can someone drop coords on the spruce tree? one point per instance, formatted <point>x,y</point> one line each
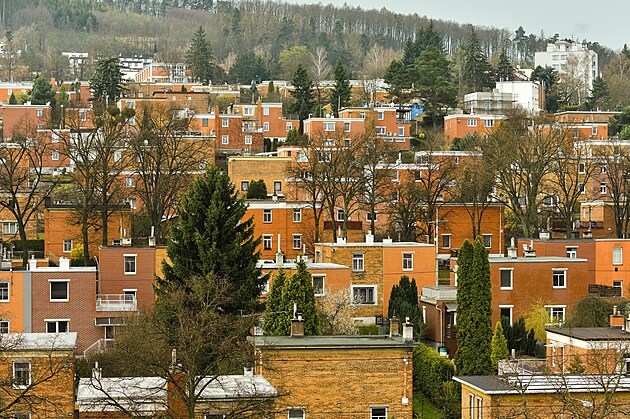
<point>107,81</point>
<point>474,311</point>
<point>340,96</point>
<point>42,92</point>
<point>403,303</point>
<point>499,346</point>
<point>212,237</point>
<point>505,71</point>
<point>303,95</point>
<point>274,306</point>
<point>600,95</point>
<point>476,70</point>
<point>433,83</point>
<point>199,57</point>
<point>12,99</point>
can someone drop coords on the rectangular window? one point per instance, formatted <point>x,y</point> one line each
<point>594,131</point>
<point>4,326</point>
<point>471,405</point>
<point>347,142</point>
<point>619,285</point>
<point>364,295</point>
<point>21,374</point>
<point>54,155</point>
<point>357,262</point>
<point>131,202</point>
<point>289,126</point>
<point>602,168</point>
<point>225,122</point>
<point>265,126</point>
<point>296,413</point>
<point>267,241</point>
<point>506,311</point>
<point>401,131</point>
<point>82,115</point>
<point>446,241</point>
<point>204,122</point>
<point>381,130</point>
<point>479,408</point>
<point>572,252</point>
<point>581,168</point>
<point>340,214</point>
<point>9,228</point>
<point>488,123</point>
<point>559,278</point>
<point>407,261</point>
<point>56,326</point>
<point>582,187</point>
<point>277,186</point>
<point>329,126</point>
<point>487,240</point>
<point>617,256</point>
<point>248,140</point>
<point>4,291</point>
<point>225,139</point>
<point>130,182</point>
<point>67,246</point>
<point>266,110</point>
<point>248,111</point>
<point>130,264</point>
<point>394,175</point>
<point>507,279</point>
<point>297,215</point>
<point>371,216</point>
<point>318,284</point>
<point>267,216</point>
<point>58,290</point>
<point>346,126</point>
<point>380,115</point>
<point>39,113</point>
<point>378,413</point>
<point>603,188</point>
<point>472,122</point>
<point>297,241</point>
<point>555,315</point>
<point>117,156</point>
<point>244,185</point>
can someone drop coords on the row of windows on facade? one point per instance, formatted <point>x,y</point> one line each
<point>559,279</point>
<point>277,186</point>
<point>446,240</point>
<point>378,412</point>
<point>487,123</point>
<point>555,314</point>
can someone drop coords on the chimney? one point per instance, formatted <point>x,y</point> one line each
<point>248,371</point>
<point>341,240</point>
<point>617,320</point>
<point>297,323</point>
<point>407,331</point>
<point>174,398</point>
<point>64,263</point>
<point>369,237</point>
<point>152,240</point>
<point>279,254</point>
<point>394,327</point>
<point>512,250</point>
<point>97,373</point>
<point>32,263</point>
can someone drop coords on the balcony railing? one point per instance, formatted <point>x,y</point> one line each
<point>116,302</point>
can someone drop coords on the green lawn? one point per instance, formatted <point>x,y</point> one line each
<point>423,408</point>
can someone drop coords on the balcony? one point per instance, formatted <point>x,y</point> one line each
<point>116,302</point>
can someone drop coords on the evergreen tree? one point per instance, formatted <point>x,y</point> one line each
<point>340,95</point>
<point>403,303</point>
<point>433,83</point>
<point>42,92</point>
<point>248,67</point>
<point>499,346</point>
<point>477,70</point>
<point>294,290</point>
<point>505,71</point>
<point>274,308</point>
<point>474,311</point>
<point>397,80</point>
<point>107,81</point>
<point>13,100</point>
<point>199,57</point>
<point>600,95</point>
<point>303,95</point>
<point>212,237</point>
<point>257,189</point>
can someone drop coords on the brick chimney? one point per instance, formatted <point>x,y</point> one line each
<point>394,327</point>
<point>297,323</point>
<point>174,388</point>
<point>407,331</point>
<point>617,320</point>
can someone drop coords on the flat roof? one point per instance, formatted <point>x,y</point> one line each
<point>377,244</point>
<point>310,342</point>
<point>536,384</point>
<point>534,259</point>
<point>592,333</point>
<point>293,265</point>
<point>39,341</point>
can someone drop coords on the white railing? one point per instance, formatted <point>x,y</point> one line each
<point>116,302</point>
<point>95,348</point>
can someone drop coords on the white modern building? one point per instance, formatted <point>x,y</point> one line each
<point>567,57</point>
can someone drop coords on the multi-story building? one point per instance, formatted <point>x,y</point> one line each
<point>566,57</point>
<point>461,125</point>
<point>24,119</point>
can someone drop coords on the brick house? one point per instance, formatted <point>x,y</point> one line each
<point>337,376</point>
<point>40,371</point>
<point>376,268</point>
<point>24,118</point>
<point>461,125</point>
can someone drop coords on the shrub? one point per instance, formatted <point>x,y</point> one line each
<point>257,189</point>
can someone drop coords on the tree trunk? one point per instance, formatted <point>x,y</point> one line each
<point>23,241</point>
<point>104,222</point>
<point>86,239</point>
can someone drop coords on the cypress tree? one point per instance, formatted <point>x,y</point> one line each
<point>274,305</point>
<point>13,100</point>
<point>499,346</point>
<point>340,96</point>
<point>403,303</point>
<point>212,237</point>
<point>474,311</point>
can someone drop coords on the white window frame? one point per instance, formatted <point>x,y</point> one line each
<point>39,113</point>
<point>117,156</point>
<point>130,182</point>
<point>340,213</point>
<point>297,241</point>
<point>8,289</point>
<point>267,216</point>
<point>225,139</point>
<point>511,270</point>
<point>471,122</point>
<point>617,256</point>
<point>267,238</point>
<point>561,273</point>
<point>296,409</point>
<point>277,185</point>
<point>511,307</point>
<point>67,245</point>
<point>395,175</point>
<point>618,284</point>
<point>450,237</point>
<point>297,215</point>
<point>289,126</point>
<point>244,185</point>
<point>225,122</point>
<point>54,155</point>
<point>346,127</point>
<point>407,261</point>
<point>581,168</point>
<point>248,140</point>
<point>29,379</point>
<point>603,188</point>
<point>10,227</point>
<point>374,294</point>
<point>381,130</point>
<point>401,131</point>
<point>373,416</point>
<point>488,123</point>
<point>380,115</point>
<point>329,126</point>
<point>358,262</point>
<point>266,126</point>
<point>265,110</point>
<point>135,264</point>
<point>551,308</point>
<point>484,240</point>
<point>56,323</point>
<point>572,252</point>
<point>369,215</point>
<point>62,281</point>
<point>323,288</point>
<point>5,326</point>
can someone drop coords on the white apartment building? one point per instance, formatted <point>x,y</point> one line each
<point>566,57</point>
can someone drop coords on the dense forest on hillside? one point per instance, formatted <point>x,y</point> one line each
<point>40,29</point>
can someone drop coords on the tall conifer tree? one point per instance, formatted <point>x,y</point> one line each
<point>340,96</point>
